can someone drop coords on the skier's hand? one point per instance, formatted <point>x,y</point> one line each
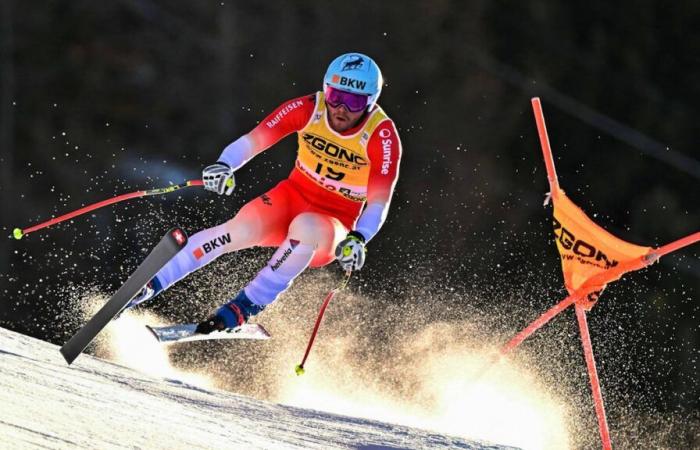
<point>350,253</point>
<point>219,178</point>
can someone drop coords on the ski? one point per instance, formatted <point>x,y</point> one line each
<point>169,246</point>
<point>186,333</point>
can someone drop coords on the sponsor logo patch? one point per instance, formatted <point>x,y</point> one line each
<point>333,150</point>
<point>279,262</point>
<point>293,244</point>
<point>179,237</point>
<point>582,251</point>
<point>283,112</point>
<point>217,242</point>
<point>349,82</point>
<point>364,138</point>
<point>385,134</point>
<point>352,62</point>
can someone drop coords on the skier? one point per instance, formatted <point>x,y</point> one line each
<point>334,201</point>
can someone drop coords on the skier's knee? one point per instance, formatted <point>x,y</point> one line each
<point>310,228</point>
<point>243,232</point>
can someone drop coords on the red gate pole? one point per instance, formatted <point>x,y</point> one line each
<point>546,148</point>
<point>593,375</point>
<point>539,323</point>
<point>676,245</point>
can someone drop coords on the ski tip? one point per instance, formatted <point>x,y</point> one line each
<point>17,233</point>
<point>153,332</point>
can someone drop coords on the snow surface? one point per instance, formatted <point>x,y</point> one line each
<point>98,404</point>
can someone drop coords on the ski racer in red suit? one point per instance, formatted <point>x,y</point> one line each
<point>334,201</point>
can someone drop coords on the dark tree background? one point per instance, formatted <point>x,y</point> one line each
<point>101,98</point>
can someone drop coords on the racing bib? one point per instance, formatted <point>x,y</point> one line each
<point>337,163</point>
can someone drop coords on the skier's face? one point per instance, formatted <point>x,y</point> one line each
<point>341,119</point>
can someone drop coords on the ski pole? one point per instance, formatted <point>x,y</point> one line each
<point>18,233</point>
<point>300,368</point>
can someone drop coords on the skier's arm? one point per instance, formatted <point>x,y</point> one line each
<point>289,117</point>
<point>384,151</point>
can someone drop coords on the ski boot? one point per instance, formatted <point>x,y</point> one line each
<point>230,315</point>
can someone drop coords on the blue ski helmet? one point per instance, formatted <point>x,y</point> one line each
<point>356,73</point>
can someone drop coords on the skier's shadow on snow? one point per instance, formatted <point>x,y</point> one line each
<point>379,447</point>
<point>6,353</point>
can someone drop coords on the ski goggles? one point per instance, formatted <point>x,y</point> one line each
<point>353,102</point>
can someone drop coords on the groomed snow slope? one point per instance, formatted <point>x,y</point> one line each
<point>96,404</point>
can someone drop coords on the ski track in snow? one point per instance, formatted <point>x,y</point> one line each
<point>44,403</point>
